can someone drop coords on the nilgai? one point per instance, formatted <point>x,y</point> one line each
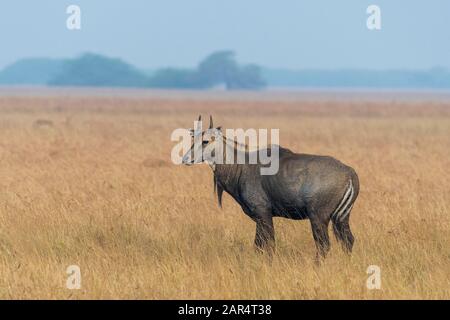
<point>318,188</point>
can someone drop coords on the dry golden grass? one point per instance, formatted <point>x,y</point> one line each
<point>94,186</point>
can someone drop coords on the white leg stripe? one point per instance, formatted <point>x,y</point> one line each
<point>341,218</point>
<point>345,201</point>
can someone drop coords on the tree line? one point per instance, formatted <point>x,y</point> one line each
<point>219,69</point>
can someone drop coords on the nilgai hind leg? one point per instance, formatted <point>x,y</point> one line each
<point>343,233</point>
<point>321,238</point>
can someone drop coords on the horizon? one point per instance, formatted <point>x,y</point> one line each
<point>117,72</point>
<point>337,69</point>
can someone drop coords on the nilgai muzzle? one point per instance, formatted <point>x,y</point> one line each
<point>318,188</point>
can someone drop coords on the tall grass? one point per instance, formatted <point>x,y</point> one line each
<point>94,187</point>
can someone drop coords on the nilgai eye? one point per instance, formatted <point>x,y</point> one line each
<point>205,141</point>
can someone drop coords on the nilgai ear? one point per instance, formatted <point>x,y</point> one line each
<point>210,122</point>
<point>199,118</point>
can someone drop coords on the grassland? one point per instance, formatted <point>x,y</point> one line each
<point>88,181</point>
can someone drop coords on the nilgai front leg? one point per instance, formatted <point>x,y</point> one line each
<point>265,233</point>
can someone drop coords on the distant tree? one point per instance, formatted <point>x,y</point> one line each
<point>221,68</point>
<point>218,68</point>
<point>96,70</point>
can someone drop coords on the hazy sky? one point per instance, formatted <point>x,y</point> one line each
<point>295,34</point>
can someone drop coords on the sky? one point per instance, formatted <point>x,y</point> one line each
<point>291,34</point>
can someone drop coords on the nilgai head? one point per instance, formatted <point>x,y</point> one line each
<point>204,143</point>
